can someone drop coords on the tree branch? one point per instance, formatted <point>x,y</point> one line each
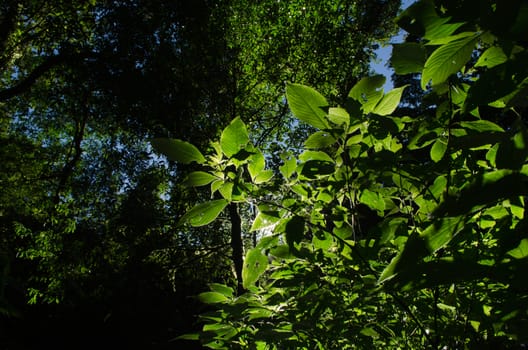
<point>49,63</point>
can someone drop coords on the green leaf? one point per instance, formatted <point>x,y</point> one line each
<point>438,150</point>
<point>178,150</point>
<point>481,125</point>
<point>492,57</point>
<point>338,116</point>
<point>447,60</point>
<point>521,251</point>
<point>440,232</point>
<point>408,58</point>
<point>222,289</point>
<point>205,213</point>
<point>226,190</point>
<point>254,265</point>
<point>368,91</point>
<point>256,164</point>
<point>373,200</point>
<point>263,177</point>
<point>315,155</point>
<point>190,336</point>
<point>370,332</point>
<point>307,105</point>
<point>212,297</point>
<point>234,137</point>
<point>289,166</point>
<point>484,189</point>
<point>389,102</point>
<point>319,139</point>
<point>199,178</point>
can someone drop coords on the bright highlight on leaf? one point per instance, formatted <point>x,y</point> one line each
<point>447,60</point>
<point>307,105</point>
<point>178,150</point>
<point>234,137</point>
<point>254,265</point>
<point>205,213</point>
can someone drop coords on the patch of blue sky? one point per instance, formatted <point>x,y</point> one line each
<point>381,64</point>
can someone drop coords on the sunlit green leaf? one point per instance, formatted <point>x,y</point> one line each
<point>389,102</point>
<point>492,57</point>
<point>521,251</point>
<point>234,137</point>
<point>438,150</point>
<point>200,178</point>
<point>178,150</point>
<point>368,91</point>
<point>372,199</point>
<point>447,60</point>
<point>222,289</point>
<point>319,139</point>
<point>212,297</point>
<point>307,105</point>
<point>263,177</point>
<point>256,164</point>
<point>205,213</point>
<point>255,264</point>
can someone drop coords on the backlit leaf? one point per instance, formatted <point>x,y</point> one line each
<point>389,102</point>
<point>255,264</point>
<point>319,139</point>
<point>307,105</point>
<point>205,213</point>
<point>200,178</point>
<point>368,91</point>
<point>234,137</point>
<point>212,297</point>
<point>492,57</point>
<point>438,150</point>
<point>447,60</point>
<point>178,150</point>
<point>372,199</point>
<point>521,251</point>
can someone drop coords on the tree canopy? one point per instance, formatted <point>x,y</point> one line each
<point>89,212</point>
<point>386,230</point>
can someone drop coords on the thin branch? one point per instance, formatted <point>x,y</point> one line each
<point>49,63</point>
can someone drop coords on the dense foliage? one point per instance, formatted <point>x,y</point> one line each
<point>89,241</point>
<point>385,230</point>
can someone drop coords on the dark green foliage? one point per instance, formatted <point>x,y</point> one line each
<point>388,231</point>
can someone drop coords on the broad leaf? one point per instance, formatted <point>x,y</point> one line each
<point>373,200</point>
<point>481,126</point>
<point>389,102</point>
<point>438,150</point>
<point>319,139</point>
<point>234,137</point>
<point>212,297</point>
<point>338,116</point>
<point>257,162</point>
<point>492,57</point>
<point>521,251</point>
<point>368,91</point>
<point>205,213</point>
<point>263,177</point>
<point>254,265</point>
<point>199,178</point>
<point>447,60</point>
<point>222,289</point>
<point>440,232</point>
<point>178,150</point>
<point>307,105</point>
